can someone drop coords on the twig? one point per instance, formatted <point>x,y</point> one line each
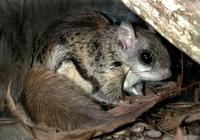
<point>182,70</point>
<point>6,121</point>
<point>190,85</point>
<point>180,78</point>
<point>164,131</point>
<point>13,109</point>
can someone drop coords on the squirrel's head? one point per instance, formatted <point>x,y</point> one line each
<point>144,53</point>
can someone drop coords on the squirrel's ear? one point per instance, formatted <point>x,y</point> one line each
<point>126,35</point>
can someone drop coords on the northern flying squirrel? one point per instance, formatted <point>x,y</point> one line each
<point>102,54</point>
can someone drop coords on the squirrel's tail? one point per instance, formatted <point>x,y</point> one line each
<point>54,100</point>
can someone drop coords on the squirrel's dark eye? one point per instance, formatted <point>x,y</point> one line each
<point>146,57</point>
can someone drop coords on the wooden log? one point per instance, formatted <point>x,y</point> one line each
<point>176,20</point>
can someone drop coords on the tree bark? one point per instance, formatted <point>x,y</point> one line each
<point>176,20</point>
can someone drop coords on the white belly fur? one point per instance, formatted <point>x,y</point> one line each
<point>68,69</point>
